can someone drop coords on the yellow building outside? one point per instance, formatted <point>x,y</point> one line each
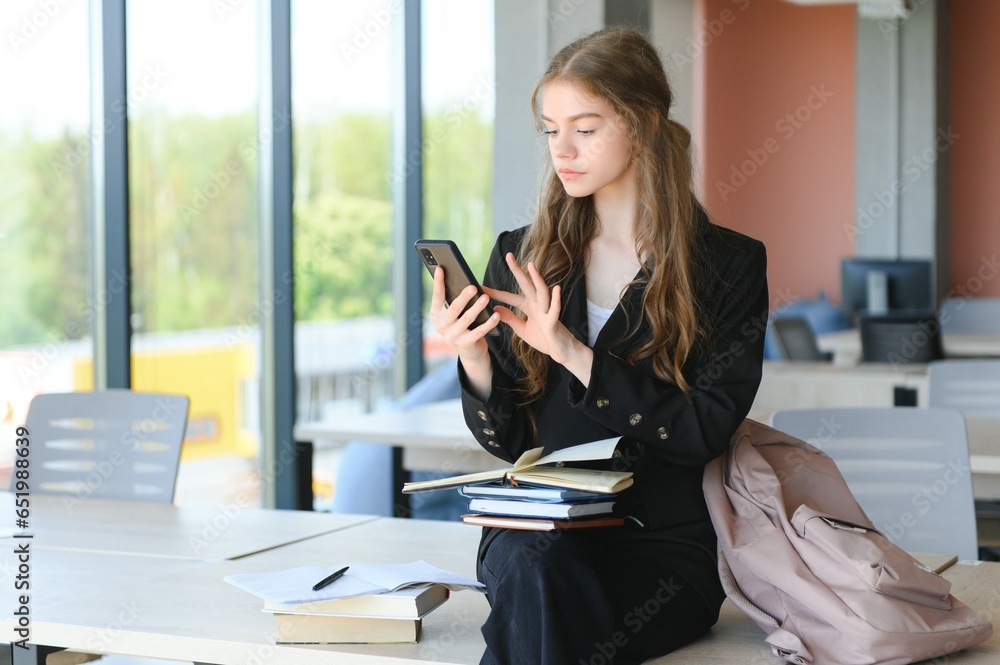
<point>220,381</point>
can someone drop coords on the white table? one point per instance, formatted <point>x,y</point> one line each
<point>846,345</point>
<point>802,385</point>
<point>184,611</point>
<point>191,614</point>
<point>196,533</point>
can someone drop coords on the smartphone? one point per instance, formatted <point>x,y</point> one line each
<point>457,274</point>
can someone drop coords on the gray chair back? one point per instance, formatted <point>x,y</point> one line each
<point>111,444</point>
<point>970,315</point>
<point>907,467</point>
<point>973,387</point>
<point>796,339</point>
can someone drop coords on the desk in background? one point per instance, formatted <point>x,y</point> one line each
<point>806,385</point>
<point>434,437</point>
<point>846,345</point>
<point>431,437</point>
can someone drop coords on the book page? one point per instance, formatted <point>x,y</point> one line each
<point>397,576</point>
<point>453,481</point>
<point>294,586</point>
<point>584,479</point>
<point>595,450</point>
<point>527,459</point>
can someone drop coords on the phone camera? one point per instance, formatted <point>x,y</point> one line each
<point>429,257</point>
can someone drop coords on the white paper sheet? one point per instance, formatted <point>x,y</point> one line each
<point>294,585</point>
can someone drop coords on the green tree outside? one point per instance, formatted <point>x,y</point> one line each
<point>194,219</point>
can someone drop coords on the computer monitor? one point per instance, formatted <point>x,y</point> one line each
<point>882,286</point>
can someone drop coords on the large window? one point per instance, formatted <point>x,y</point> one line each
<point>459,94</point>
<point>45,147</point>
<point>343,209</point>
<point>193,197</point>
<point>194,140</point>
<point>343,212</point>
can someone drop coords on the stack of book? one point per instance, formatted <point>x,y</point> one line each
<point>392,616</point>
<point>368,604</point>
<point>537,508</point>
<point>541,493</point>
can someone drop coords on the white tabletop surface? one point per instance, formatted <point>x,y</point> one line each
<point>56,577</point>
<point>191,614</point>
<point>195,533</point>
<point>150,607</point>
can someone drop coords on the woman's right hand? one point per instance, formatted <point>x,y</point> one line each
<point>454,326</point>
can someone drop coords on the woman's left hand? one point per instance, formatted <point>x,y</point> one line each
<point>542,328</point>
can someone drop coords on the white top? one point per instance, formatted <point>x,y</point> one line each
<point>596,318</point>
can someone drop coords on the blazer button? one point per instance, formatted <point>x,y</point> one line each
<point>481,414</point>
<point>493,444</point>
<point>603,402</point>
<point>663,433</point>
<point>635,419</point>
<point>488,432</point>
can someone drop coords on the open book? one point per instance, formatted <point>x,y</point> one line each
<point>294,585</point>
<point>534,469</point>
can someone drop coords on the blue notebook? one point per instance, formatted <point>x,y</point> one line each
<point>531,493</point>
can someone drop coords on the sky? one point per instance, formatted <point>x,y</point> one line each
<point>201,56</point>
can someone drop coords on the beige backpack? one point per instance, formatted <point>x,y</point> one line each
<point>799,556</point>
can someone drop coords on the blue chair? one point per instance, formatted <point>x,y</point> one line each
<point>821,316</point>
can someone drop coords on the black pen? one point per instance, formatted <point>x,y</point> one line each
<point>327,581</point>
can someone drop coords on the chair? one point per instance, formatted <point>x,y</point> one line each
<point>110,444</point>
<point>796,340</point>
<point>908,468</point>
<point>901,339</point>
<point>970,315</point>
<point>973,387</point>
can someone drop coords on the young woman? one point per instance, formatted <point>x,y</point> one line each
<point>625,312</point>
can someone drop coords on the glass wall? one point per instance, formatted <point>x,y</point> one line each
<point>194,142</point>
<point>341,94</point>
<point>193,196</point>
<point>343,212</point>
<point>459,94</point>
<point>45,147</point>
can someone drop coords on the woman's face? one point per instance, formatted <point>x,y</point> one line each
<point>589,151</point>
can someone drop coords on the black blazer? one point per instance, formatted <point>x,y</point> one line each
<point>670,435</point>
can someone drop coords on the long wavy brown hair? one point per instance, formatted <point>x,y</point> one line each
<point>621,67</point>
